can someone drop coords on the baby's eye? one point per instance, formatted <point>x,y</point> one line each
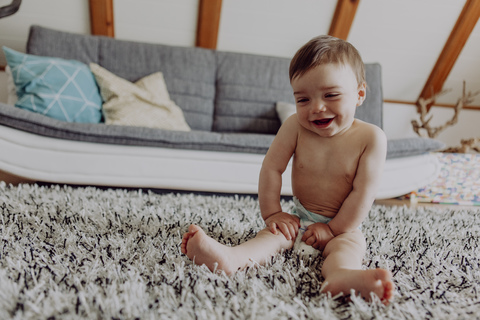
<point>302,100</point>
<point>332,95</point>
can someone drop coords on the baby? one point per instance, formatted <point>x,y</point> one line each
<point>337,165</point>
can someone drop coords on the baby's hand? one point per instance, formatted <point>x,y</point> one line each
<point>287,224</point>
<point>318,235</point>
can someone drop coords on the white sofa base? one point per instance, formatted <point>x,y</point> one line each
<point>41,158</point>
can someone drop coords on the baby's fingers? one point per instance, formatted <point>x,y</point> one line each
<point>296,226</point>
<point>310,241</point>
<point>273,228</point>
<point>317,244</point>
<point>292,228</point>
<point>297,221</point>
<point>307,235</point>
<point>284,228</point>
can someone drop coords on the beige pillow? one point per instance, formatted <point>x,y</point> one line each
<point>145,103</point>
<point>285,110</point>
<point>12,91</point>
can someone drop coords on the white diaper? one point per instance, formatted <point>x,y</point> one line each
<point>306,218</point>
<point>300,246</point>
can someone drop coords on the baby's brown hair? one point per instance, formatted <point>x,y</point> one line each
<point>327,49</point>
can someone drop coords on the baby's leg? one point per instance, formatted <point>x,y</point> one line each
<point>342,269</point>
<point>202,249</point>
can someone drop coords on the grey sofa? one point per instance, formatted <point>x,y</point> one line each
<point>228,100</point>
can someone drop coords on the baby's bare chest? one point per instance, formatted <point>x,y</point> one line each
<point>326,161</point>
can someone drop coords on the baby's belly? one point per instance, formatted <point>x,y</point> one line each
<point>323,197</point>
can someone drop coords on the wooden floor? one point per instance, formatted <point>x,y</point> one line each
<point>397,202</point>
<point>9,178</point>
<point>408,203</point>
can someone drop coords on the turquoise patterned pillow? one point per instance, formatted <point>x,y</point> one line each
<point>62,89</point>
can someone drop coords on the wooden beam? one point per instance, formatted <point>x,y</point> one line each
<point>209,13</point>
<point>442,105</point>
<point>343,18</point>
<point>101,18</point>
<point>454,45</point>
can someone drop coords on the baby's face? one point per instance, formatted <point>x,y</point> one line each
<point>326,98</point>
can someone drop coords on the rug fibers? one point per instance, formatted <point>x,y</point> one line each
<point>89,253</point>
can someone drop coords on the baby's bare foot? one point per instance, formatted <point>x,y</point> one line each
<point>202,249</point>
<point>378,281</point>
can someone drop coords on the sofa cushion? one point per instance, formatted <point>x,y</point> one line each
<point>397,148</point>
<point>248,86</point>
<point>371,109</point>
<point>189,72</point>
<point>133,136</point>
<point>145,103</point>
<point>55,87</point>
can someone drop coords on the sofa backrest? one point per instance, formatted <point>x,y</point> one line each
<point>248,86</point>
<point>217,91</point>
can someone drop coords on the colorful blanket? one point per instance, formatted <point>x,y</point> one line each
<point>458,182</point>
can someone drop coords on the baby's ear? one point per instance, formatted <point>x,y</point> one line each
<point>362,93</point>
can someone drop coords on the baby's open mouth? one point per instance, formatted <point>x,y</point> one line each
<point>322,122</point>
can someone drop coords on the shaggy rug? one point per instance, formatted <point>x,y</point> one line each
<point>90,253</point>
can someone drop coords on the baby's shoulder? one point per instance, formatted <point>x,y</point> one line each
<point>367,130</point>
<point>371,137</point>
<point>291,124</point>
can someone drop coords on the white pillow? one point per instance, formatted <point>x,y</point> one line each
<point>145,103</point>
<point>12,97</point>
<point>285,110</point>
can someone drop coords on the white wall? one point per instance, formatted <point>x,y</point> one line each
<point>391,32</point>
<point>170,22</point>
<point>272,27</point>
<point>71,15</point>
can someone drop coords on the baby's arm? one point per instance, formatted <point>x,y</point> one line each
<point>356,206</point>
<point>270,183</point>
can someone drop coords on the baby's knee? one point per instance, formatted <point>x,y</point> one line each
<point>279,237</point>
<point>268,233</point>
<point>353,241</point>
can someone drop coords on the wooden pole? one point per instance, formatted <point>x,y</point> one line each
<point>454,45</point>
<point>101,18</point>
<point>343,18</point>
<point>209,12</point>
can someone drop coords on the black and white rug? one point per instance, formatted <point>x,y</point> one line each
<point>89,253</point>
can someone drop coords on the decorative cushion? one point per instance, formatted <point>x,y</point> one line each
<point>285,110</point>
<point>145,103</point>
<point>57,88</point>
<point>11,89</point>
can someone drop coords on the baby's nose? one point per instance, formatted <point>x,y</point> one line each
<point>319,107</point>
